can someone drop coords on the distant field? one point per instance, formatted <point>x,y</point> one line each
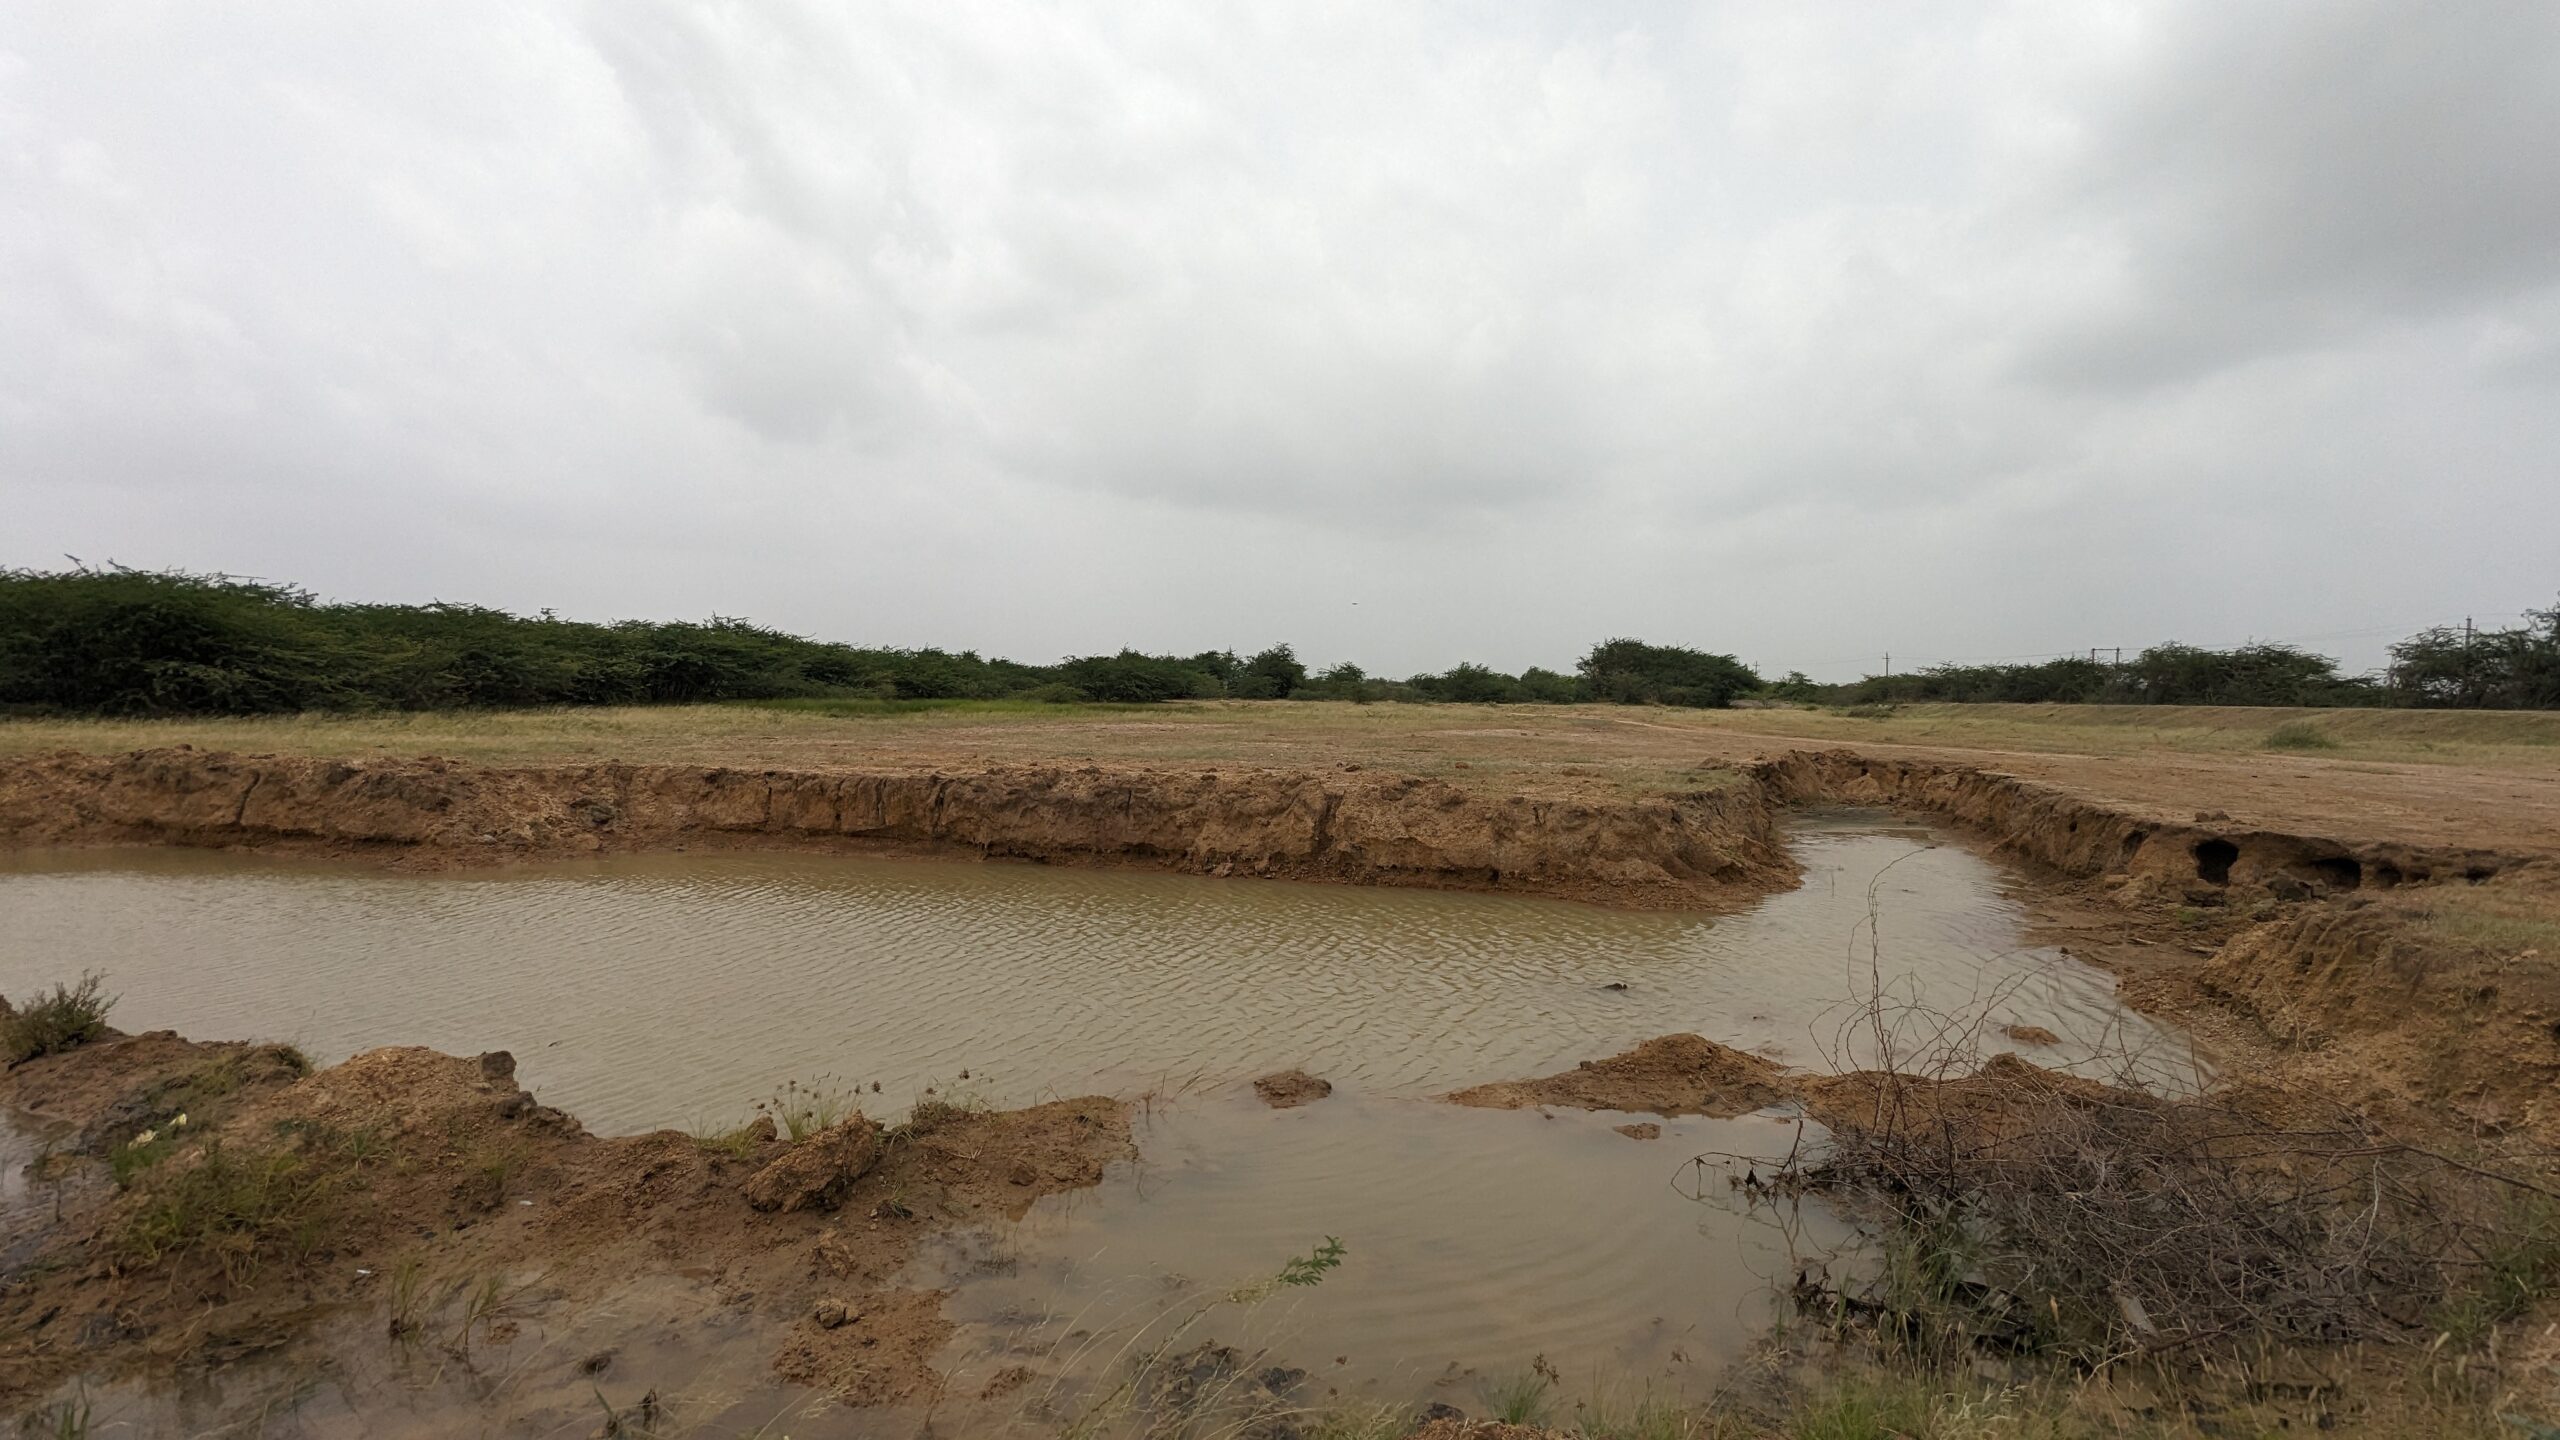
<point>1427,736</point>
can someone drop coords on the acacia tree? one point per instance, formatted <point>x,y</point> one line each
<point>1631,672</point>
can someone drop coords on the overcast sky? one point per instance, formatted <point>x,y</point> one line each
<point>1410,334</point>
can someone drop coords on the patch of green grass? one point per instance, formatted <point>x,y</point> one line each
<point>1650,1418</point>
<point>2518,1269</point>
<point>2300,735</point>
<point>1897,1409</point>
<point>239,1207</point>
<point>73,1015</point>
<point>127,1161</point>
<point>737,1142</point>
<point>2458,921</point>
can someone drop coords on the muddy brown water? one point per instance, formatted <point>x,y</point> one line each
<point>679,989</point>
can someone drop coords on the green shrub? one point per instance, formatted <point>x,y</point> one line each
<point>72,1015</point>
<point>1631,672</point>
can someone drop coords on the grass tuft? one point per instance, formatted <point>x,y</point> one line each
<point>2300,735</point>
<point>803,1110</point>
<point>73,1015</point>
<point>242,1207</point>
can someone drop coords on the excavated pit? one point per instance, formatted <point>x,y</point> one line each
<point>1705,849</point>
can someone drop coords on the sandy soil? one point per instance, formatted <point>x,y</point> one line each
<point>2374,927</point>
<point>300,1212</point>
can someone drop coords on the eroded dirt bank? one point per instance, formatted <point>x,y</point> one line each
<point>2085,839</point>
<point>1706,848</point>
<point>196,1203</point>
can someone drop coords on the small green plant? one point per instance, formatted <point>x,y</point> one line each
<point>1301,1272</point>
<point>482,1307</point>
<point>804,1110</point>
<point>2518,1268</point>
<point>404,1292</point>
<point>488,1169</point>
<point>934,1112</point>
<point>72,1015</point>
<point>1519,1400</point>
<point>2300,735</point>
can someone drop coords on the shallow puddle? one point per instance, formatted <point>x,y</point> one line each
<point>679,989</point>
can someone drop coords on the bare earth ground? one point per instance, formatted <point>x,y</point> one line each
<point>2428,1009</point>
<point>2482,780</point>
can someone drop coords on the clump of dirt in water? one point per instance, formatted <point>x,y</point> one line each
<point>1667,1075</point>
<point>1288,1089</point>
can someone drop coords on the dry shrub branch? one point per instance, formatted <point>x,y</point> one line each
<point>2101,1221</point>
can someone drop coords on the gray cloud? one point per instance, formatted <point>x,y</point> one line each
<point>1974,330</point>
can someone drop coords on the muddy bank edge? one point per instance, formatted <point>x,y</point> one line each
<point>1709,848</point>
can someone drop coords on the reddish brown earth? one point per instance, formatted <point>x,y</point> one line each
<point>405,1161</point>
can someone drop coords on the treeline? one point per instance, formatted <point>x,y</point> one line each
<point>132,642</point>
<point>2517,668</point>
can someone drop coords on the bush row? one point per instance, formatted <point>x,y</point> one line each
<point>133,642</point>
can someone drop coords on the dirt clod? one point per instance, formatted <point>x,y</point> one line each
<point>1288,1089</point>
<point>815,1173</point>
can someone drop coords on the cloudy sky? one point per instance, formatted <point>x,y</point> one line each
<point>1410,334</point>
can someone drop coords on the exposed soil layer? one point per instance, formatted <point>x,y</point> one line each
<point>372,1195</point>
<point>1705,848</point>
<point>2084,838</point>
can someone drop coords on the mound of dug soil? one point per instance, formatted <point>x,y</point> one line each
<point>292,1210</point>
<point>1667,1075</point>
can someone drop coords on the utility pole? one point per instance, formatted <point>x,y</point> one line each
<point>1888,664</point>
